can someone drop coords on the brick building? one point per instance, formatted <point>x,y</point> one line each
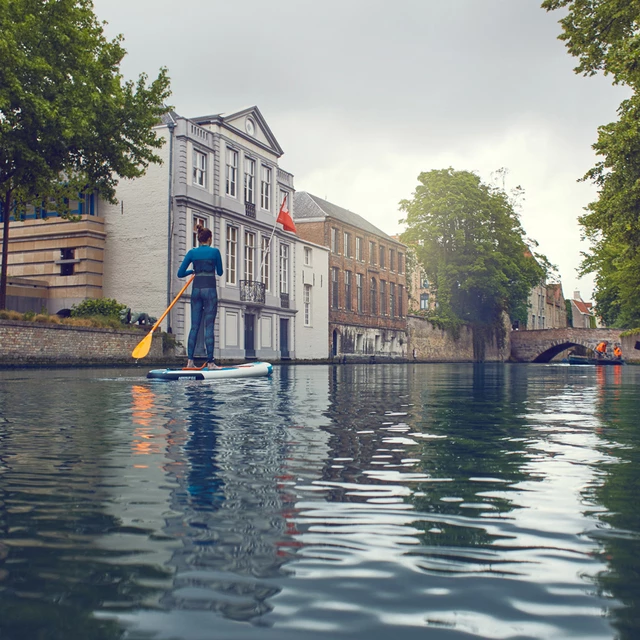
<point>367,279</point>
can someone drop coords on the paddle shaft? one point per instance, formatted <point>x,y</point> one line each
<point>142,348</point>
<point>163,316</point>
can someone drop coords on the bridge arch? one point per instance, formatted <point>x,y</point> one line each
<point>541,345</point>
<point>555,349</point>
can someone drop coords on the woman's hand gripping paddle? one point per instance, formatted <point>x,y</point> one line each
<point>142,349</point>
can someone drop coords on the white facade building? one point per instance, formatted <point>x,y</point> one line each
<point>221,172</point>
<point>311,292</point>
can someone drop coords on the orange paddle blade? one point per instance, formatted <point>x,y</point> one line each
<point>143,346</point>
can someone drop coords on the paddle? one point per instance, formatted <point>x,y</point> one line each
<point>142,349</point>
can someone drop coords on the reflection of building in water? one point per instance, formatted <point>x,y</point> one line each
<point>357,413</point>
<point>235,458</point>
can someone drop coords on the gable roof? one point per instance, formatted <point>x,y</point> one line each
<point>308,206</point>
<point>583,307</point>
<point>254,112</point>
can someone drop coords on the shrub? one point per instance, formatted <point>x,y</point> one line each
<point>106,307</point>
<point>5,314</point>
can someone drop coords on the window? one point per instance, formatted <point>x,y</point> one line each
<point>400,262</point>
<point>372,252</point>
<point>383,298</point>
<point>424,301</point>
<point>392,260</point>
<point>359,292</point>
<point>232,172</point>
<point>249,254</point>
<point>347,245</point>
<point>334,241</point>
<point>200,168</point>
<point>265,260</point>
<point>400,299</point>
<point>232,255</point>
<point>359,249</point>
<point>334,287</point>
<point>307,305</point>
<point>382,250</point>
<point>265,188</point>
<point>307,256</point>
<point>373,297</point>
<point>284,268</point>
<point>67,268</point>
<point>392,299</point>
<point>198,220</point>
<point>348,293</point>
<point>249,180</point>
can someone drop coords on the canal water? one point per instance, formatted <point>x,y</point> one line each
<point>357,501</point>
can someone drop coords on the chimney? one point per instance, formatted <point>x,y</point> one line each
<point>576,296</point>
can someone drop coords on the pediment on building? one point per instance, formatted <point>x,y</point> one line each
<point>252,125</point>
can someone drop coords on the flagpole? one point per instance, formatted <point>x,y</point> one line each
<point>271,238</point>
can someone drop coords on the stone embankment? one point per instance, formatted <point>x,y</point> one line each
<point>24,344</point>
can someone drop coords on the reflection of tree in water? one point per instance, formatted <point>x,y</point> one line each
<point>618,409</point>
<point>226,456</point>
<point>479,430</point>
<point>476,427</point>
<point>52,575</point>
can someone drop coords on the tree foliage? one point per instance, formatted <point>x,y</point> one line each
<point>68,120</point>
<point>602,35</point>
<point>471,244</point>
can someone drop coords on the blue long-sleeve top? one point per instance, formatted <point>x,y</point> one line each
<point>206,261</point>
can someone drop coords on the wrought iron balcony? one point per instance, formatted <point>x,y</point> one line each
<point>250,209</point>
<point>252,291</point>
<point>284,300</point>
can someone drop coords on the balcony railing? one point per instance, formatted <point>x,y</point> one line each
<point>252,291</point>
<point>250,209</point>
<point>284,300</point>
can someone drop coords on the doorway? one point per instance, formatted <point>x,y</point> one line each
<point>284,338</point>
<point>249,336</point>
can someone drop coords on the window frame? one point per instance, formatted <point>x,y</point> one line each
<point>249,180</point>
<point>249,261</point>
<point>306,301</point>
<point>265,261</point>
<point>348,291</point>
<point>335,292</point>
<point>231,255</point>
<point>231,183</point>
<point>265,187</point>
<point>199,169</point>
<point>283,267</point>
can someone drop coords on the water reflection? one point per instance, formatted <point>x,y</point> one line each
<point>350,501</point>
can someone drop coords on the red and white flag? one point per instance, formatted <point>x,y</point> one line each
<point>284,217</point>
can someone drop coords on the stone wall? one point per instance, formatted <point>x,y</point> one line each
<point>435,345</point>
<point>631,348</point>
<point>33,344</point>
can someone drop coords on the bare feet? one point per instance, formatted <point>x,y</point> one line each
<point>212,366</point>
<point>190,365</point>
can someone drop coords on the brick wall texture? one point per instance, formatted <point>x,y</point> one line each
<point>31,344</point>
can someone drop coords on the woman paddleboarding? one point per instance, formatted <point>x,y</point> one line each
<point>206,261</point>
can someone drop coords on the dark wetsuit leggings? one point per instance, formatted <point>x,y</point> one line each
<point>204,302</point>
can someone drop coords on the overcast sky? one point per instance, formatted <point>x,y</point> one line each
<point>363,95</point>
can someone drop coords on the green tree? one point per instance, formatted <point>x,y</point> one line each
<point>602,35</point>
<point>68,120</point>
<point>471,244</point>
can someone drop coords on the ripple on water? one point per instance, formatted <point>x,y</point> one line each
<point>446,501</point>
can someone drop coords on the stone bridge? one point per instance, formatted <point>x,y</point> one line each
<point>543,344</point>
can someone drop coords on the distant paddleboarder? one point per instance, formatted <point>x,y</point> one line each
<point>206,262</point>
